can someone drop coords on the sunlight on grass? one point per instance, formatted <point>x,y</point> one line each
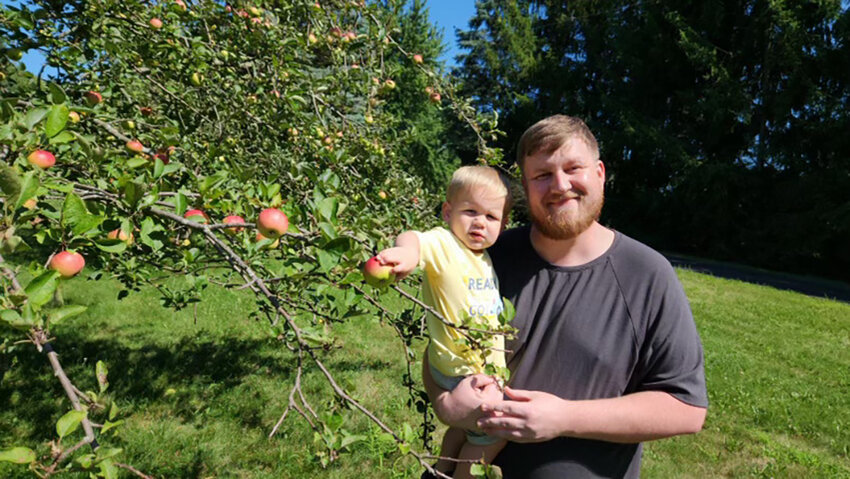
<point>201,389</point>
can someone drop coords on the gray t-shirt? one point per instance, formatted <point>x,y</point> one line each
<point>616,325</point>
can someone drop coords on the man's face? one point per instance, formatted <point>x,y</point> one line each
<point>565,189</point>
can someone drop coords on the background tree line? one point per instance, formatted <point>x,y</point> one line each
<point>724,124</point>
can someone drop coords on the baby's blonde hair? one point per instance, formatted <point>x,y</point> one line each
<point>488,178</point>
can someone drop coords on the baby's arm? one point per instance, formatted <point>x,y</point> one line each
<point>404,256</point>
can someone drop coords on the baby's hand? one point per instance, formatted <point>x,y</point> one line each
<point>401,259</point>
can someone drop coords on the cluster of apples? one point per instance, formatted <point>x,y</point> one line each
<point>271,224</point>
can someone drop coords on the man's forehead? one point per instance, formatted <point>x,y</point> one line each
<point>574,149</point>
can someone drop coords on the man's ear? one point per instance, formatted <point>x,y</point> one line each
<point>447,211</point>
<point>600,170</point>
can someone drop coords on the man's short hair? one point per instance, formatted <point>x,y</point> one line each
<point>488,178</point>
<point>549,134</point>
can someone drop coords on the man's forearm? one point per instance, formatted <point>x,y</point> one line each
<point>534,416</point>
<point>637,417</point>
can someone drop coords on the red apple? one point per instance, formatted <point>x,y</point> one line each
<point>67,263</point>
<point>135,146</point>
<point>180,4</point>
<point>93,98</point>
<point>272,223</point>
<point>42,158</point>
<point>197,216</point>
<point>233,219</point>
<point>74,117</point>
<point>418,59</point>
<point>146,110</point>
<point>155,23</point>
<point>121,235</point>
<point>435,97</point>
<point>376,274</point>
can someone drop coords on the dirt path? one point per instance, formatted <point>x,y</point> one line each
<point>802,284</point>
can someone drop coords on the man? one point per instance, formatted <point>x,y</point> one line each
<point>607,353</point>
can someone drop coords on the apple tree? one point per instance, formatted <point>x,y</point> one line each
<point>156,137</point>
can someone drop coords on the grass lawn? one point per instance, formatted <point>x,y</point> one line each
<point>200,392</point>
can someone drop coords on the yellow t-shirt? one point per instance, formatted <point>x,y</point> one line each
<point>458,280</point>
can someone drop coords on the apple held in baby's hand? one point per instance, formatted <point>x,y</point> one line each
<point>376,274</point>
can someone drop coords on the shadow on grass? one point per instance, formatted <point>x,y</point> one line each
<point>183,377</point>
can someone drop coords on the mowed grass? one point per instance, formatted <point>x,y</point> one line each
<point>201,391</point>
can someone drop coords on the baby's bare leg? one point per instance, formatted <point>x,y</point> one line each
<point>476,453</point>
<point>453,441</point>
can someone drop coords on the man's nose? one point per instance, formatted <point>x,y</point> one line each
<point>561,182</point>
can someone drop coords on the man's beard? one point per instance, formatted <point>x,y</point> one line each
<point>565,225</point>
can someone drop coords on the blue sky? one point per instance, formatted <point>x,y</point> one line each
<point>446,14</point>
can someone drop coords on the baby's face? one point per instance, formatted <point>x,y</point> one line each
<point>475,216</point>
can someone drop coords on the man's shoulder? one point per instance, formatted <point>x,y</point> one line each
<point>510,240</point>
<point>631,253</point>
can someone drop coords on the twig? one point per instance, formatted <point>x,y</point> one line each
<point>133,470</point>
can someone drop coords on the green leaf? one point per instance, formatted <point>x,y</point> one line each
<point>18,455</point>
<point>40,290</point>
<point>133,192</point>
<point>69,422</point>
<point>349,440</point>
<point>56,120</point>
<point>10,182</point>
<point>149,227</point>
<point>109,425</point>
<point>73,210</point>
<point>328,208</point>
<point>181,203</point>
<point>111,245</point>
<point>102,376</point>
<point>62,138</point>
<point>108,469</point>
<point>85,461</point>
<point>113,411</point>
<point>88,223</point>
<point>158,168</point>
<point>29,187</point>
<point>14,319</point>
<point>104,453</point>
<point>57,94</point>
<point>55,316</point>
<point>327,260</point>
<point>137,162</point>
<point>34,116</point>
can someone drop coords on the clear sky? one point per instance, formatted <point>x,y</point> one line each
<point>446,14</point>
<point>449,15</point>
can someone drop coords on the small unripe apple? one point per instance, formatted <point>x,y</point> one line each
<point>135,146</point>
<point>197,216</point>
<point>429,90</point>
<point>382,194</point>
<point>418,59</point>
<point>93,98</point>
<point>14,54</point>
<point>255,11</point>
<point>272,223</point>
<point>435,97</point>
<point>155,23</point>
<point>74,117</point>
<point>233,219</point>
<point>130,124</point>
<point>390,84</point>
<point>121,235</point>
<point>312,39</point>
<point>376,274</point>
<point>42,158</point>
<point>273,245</point>
<point>67,263</point>
<point>196,79</point>
<point>369,119</point>
<point>355,66</point>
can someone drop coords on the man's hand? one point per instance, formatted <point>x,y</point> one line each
<point>529,416</point>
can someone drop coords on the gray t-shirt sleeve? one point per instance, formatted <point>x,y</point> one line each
<point>671,355</point>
